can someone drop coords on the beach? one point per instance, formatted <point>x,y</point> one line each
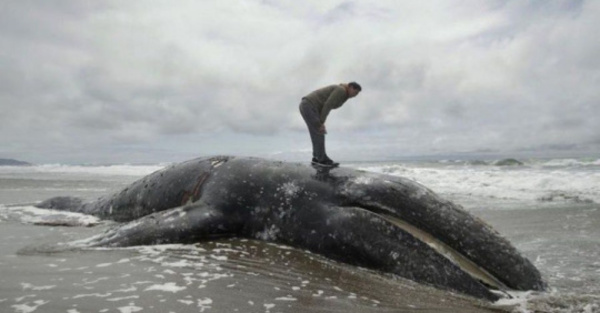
<point>548,208</point>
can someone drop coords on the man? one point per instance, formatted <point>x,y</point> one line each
<point>315,108</point>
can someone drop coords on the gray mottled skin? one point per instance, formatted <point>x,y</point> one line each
<point>340,215</point>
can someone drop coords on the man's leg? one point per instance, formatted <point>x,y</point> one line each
<point>313,123</point>
<point>318,140</point>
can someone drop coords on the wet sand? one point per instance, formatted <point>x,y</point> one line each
<point>224,276</point>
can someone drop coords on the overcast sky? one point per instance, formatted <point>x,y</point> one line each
<point>165,81</point>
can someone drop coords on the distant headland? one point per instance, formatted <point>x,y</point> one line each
<point>11,162</point>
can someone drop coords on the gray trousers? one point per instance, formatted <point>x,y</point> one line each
<point>313,121</point>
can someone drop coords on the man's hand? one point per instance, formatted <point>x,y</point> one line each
<point>323,130</point>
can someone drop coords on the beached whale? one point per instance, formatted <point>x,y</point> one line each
<point>377,221</point>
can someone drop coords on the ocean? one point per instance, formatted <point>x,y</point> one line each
<point>548,208</point>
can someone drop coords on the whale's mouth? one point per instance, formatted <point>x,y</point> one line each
<point>451,254</point>
<point>463,262</point>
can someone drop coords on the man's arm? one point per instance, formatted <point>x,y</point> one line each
<point>334,101</point>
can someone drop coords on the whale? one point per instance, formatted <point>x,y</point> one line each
<point>382,222</point>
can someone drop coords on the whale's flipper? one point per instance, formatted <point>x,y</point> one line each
<point>186,224</point>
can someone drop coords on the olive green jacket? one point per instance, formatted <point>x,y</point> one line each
<point>327,99</point>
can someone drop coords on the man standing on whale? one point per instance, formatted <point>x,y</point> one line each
<point>315,108</point>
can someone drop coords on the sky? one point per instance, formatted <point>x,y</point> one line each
<point>98,82</point>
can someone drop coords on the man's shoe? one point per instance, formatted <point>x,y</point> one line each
<point>330,162</point>
<point>321,164</point>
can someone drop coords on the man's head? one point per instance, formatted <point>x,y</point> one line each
<point>353,89</point>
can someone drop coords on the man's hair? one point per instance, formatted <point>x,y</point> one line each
<point>355,86</point>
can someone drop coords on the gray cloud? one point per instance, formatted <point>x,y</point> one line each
<point>150,81</point>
